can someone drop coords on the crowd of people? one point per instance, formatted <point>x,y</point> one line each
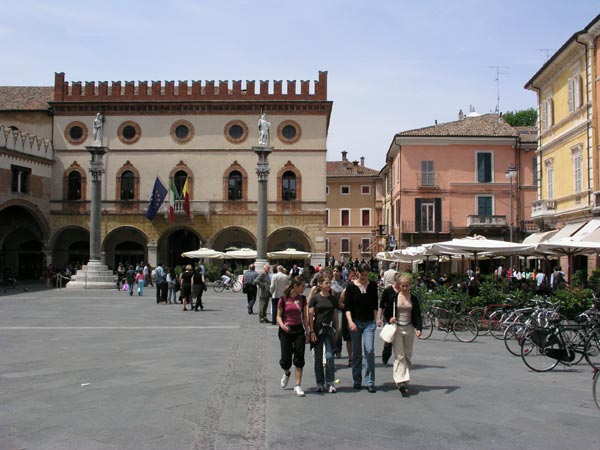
<point>343,305</point>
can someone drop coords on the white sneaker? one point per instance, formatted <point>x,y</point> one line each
<point>331,389</point>
<point>284,380</point>
<point>298,391</point>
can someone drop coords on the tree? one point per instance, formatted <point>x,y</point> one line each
<point>522,118</point>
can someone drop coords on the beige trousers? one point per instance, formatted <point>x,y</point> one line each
<point>403,347</point>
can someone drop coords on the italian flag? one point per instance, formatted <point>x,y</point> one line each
<point>172,198</point>
<point>186,199</point>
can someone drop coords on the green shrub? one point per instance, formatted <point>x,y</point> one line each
<point>573,301</point>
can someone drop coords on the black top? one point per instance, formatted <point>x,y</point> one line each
<point>186,279</point>
<point>197,277</point>
<point>361,306</point>
<point>390,296</point>
<point>130,276</point>
<point>323,307</point>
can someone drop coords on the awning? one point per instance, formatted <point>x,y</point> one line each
<point>583,233</point>
<point>566,232</point>
<point>536,238</point>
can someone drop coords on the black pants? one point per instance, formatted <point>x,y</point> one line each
<point>292,348</point>
<point>386,354</point>
<point>251,291</point>
<point>161,292</point>
<point>274,302</point>
<point>198,291</point>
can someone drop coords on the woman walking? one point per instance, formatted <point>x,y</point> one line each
<point>292,318</point>
<point>185,281</point>
<point>139,278</point>
<point>322,309</point>
<point>407,317</point>
<point>361,302</point>
<point>386,312</point>
<point>171,283</point>
<point>197,289</point>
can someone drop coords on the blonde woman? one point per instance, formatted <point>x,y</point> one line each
<point>185,281</point>
<point>406,314</point>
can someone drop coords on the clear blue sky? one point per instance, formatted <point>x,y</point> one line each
<point>393,65</point>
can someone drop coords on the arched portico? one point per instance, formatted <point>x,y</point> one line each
<point>125,244</point>
<point>230,237</point>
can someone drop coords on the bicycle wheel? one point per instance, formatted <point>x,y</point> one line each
<point>513,337</point>
<point>479,316</point>
<point>236,286</point>
<point>535,356</point>
<point>576,341</point>
<point>592,350</point>
<point>427,326</point>
<point>465,329</point>
<point>496,324</point>
<point>219,286</point>
<point>596,388</point>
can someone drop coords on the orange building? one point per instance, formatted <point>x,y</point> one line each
<point>353,209</point>
<point>452,180</point>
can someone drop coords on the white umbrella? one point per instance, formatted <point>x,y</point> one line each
<point>202,253</point>
<point>242,253</point>
<point>288,253</point>
<point>569,247</point>
<point>478,244</point>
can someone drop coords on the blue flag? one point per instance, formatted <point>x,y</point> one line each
<point>159,192</point>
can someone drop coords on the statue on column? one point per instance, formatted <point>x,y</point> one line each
<point>263,130</point>
<point>97,132</point>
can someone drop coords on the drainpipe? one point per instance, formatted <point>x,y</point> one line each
<point>590,119</point>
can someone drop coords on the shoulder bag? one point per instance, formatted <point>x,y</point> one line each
<point>389,329</point>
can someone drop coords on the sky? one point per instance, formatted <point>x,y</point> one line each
<point>392,65</point>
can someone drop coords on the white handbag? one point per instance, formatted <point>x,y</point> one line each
<point>389,330</point>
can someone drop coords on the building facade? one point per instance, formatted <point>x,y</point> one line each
<point>198,135</point>
<point>354,195</point>
<point>451,180</point>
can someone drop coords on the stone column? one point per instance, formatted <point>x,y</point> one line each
<point>262,170</point>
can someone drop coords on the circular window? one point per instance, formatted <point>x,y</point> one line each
<point>288,131</point>
<point>129,132</point>
<point>76,133</point>
<point>236,131</point>
<point>182,131</point>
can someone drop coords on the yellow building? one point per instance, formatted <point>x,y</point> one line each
<point>354,196</point>
<point>567,163</point>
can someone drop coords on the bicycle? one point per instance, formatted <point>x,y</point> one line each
<point>220,286</point>
<point>452,321</point>
<point>482,315</point>
<point>543,348</point>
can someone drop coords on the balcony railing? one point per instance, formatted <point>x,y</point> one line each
<point>409,226</point>
<point>486,221</point>
<point>541,208</point>
<point>428,180</point>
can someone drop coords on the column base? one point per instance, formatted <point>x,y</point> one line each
<point>94,275</point>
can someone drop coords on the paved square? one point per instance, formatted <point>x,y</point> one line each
<point>102,370</point>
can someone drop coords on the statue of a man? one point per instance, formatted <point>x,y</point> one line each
<point>263,130</point>
<point>98,124</point>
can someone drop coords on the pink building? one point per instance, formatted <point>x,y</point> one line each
<point>451,180</point>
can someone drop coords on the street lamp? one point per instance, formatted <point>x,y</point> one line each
<point>511,173</point>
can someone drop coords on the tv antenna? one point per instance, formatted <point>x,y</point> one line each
<point>497,80</point>
<point>547,51</point>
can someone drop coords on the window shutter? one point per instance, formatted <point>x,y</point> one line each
<point>417,215</point>
<point>571,87</point>
<point>438,215</point>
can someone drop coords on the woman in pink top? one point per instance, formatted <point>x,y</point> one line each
<point>294,330</point>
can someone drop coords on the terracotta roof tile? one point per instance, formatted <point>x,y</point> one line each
<point>487,125</point>
<point>23,98</point>
<point>348,169</point>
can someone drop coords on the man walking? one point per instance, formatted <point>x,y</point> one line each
<point>278,284</point>
<point>264,284</point>
<point>249,287</point>
<point>161,284</point>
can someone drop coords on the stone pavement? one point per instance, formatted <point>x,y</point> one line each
<point>99,370</point>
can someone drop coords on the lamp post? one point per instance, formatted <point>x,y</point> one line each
<point>511,173</point>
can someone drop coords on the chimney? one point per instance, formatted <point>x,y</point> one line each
<point>344,154</point>
<point>362,161</point>
<point>461,115</point>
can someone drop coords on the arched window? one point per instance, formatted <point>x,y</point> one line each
<point>235,186</point>
<point>288,186</point>
<point>74,186</point>
<point>127,185</point>
<point>179,179</point>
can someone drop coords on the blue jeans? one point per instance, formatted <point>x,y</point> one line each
<point>327,337</point>
<point>363,337</point>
